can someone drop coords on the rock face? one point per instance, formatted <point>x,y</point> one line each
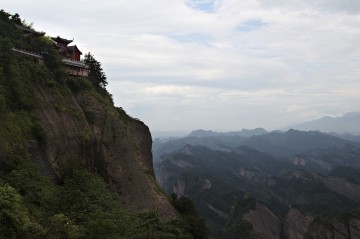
<point>265,224</point>
<point>105,140</point>
<point>343,187</point>
<point>297,225</point>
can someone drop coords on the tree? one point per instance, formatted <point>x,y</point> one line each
<point>16,18</point>
<point>96,74</point>
<point>4,15</point>
<point>62,227</point>
<point>196,225</point>
<point>13,214</point>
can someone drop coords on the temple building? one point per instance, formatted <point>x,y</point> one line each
<point>71,54</point>
<point>28,32</point>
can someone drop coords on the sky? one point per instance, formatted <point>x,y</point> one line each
<point>222,65</point>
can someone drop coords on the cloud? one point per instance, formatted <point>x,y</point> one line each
<point>229,64</point>
<point>204,5</point>
<point>251,25</point>
<point>349,6</point>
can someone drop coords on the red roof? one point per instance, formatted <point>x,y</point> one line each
<point>74,48</point>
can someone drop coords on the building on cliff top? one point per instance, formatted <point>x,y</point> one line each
<point>71,54</point>
<point>28,32</point>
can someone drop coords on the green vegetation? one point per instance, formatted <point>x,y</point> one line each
<point>196,224</point>
<point>218,182</point>
<point>80,204</point>
<point>96,74</point>
<point>31,206</point>
<point>238,227</point>
<point>349,173</point>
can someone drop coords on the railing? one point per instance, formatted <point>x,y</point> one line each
<point>28,53</point>
<point>66,61</point>
<point>72,62</point>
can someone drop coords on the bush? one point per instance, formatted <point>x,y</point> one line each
<point>196,225</point>
<point>13,214</point>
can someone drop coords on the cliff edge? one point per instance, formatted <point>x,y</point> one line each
<point>85,126</point>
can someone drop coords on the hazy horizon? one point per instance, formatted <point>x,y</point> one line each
<point>222,65</point>
<point>337,129</point>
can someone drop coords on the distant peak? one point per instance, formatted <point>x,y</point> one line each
<point>202,133</point>
<point>352,114</point>
<point>347,123</point>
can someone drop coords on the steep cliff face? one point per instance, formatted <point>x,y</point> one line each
<point>104,139</point>
<point>297,225</point>
<point>265,224</point>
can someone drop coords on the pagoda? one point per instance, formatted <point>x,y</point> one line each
<point>71,57</point>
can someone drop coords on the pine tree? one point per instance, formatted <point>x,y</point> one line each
<point>96,74</point>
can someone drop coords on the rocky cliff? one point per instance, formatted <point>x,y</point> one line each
<point>84,127</point>
<point>298,225</point>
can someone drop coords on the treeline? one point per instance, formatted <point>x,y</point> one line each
<point>80,206</point>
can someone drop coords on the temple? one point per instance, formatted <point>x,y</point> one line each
<point>71,54</point>
<point>28,32</point>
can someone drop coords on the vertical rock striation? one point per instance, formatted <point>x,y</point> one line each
<point>105,140</point>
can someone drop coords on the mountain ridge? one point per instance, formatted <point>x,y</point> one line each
<point>299,181</point>
<point>348,123</point>
<point>243,133</point>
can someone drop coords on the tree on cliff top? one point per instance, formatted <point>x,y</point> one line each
<point>96,73</point>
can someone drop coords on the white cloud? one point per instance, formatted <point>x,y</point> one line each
<point>228,64</point>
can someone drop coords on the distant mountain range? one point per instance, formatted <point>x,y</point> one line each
<point>243,133</point>
<point>258,184</point>
<point>279,144</point>
<point>348,123</point>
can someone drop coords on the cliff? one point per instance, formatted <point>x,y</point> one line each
<point>72,165</point>
<point>59,118</point>
<point>296,225</point>
<point>105,140</point>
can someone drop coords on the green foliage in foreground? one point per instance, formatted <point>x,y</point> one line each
<point>80,207</point>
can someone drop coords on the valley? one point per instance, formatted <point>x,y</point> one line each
<point>292,184</point>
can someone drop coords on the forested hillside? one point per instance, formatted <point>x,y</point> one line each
<point>291,184</point>
<point>71,164</point>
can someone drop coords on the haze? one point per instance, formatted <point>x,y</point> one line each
<point>221,65</point>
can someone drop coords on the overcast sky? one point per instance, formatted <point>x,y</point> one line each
<point>215,64</point>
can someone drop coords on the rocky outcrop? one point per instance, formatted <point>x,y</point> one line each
<point>299,161</point>
<point>299,225</point>
<point>296,224</point>
<point>354,228</point>
<point>343,187</point>
<point>179,187</point>
<point>104,139</point>
<point>265,224</point>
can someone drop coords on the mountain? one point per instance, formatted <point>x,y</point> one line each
<point>290,184</point>
<point>292,142</point>
<point>242,133</point>
<point>280,144</point>
<point>72,165</point>
<point>348,123</point>
<point>347,136</point>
